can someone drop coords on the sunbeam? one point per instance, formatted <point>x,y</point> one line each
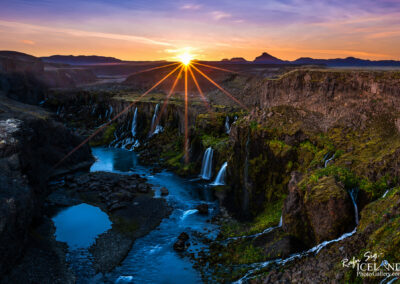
<point>203,97</point>
<point>219,87</point>
<point>114,118</point>
<point>168,96</point>
<point>154,68</point>
<point>217,68</point>
<point>186,142</point>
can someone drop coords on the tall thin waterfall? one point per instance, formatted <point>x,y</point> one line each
<point>227,126</point>
<point>328,160</point>
<point>353,194</point>
<point>206,167</point>
<point>316,249</point>
<point>155,128</point>
<point>134,123</point>
<point>220,179</point>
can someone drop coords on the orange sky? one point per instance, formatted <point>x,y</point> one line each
<point>287,29</point>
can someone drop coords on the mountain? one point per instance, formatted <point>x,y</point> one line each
<point>347,62</point>
<point>235,60</point>
<point>266,58</point>
<point>80,59</point>
<point>14,61</point>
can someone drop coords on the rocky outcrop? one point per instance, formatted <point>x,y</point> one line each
<point>318,211</point>
<point>256,169</point>
<point>335,94</point>
<point>24,75</point>
<point>30,146</point>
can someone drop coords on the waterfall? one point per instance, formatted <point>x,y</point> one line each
<point>280,261</point>
<point>110,112</point>
<point>328,160</point>
<point>316,249</point>
<point>134,122</point>
<point>227,126</point>
<point>206,167</point>
<point>353,194</point>
<point>220,179</point>
<point>280,222</point>
<point>155,129</point>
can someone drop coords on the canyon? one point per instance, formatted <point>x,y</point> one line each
<point>305,176</point>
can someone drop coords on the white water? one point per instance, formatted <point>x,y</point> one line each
<point>134,123</point>
<point>353,195</point>
<point>328,160</point>
<point>316,249</point>
<point>220,179</point>
<point>206,167</point>
<point>110,112</point>
<point>188,212</point>
<point>227,126</point>
<point>267,230</point>
<point>155,129</point>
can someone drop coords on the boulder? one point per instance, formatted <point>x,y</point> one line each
<point>203,209</point>
<point>164,191</point>
<point>181,244</point>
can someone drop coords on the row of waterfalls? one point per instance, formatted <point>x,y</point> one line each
<point>127,139</point>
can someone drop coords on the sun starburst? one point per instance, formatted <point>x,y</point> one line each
<point>185,58</point>
<point>185,64</point>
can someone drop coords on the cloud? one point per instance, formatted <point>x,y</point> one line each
<point>191,7</point>
<point>27,41</point>
<point>83,33</point>
<point>219,15</point>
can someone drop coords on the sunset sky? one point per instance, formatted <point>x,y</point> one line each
<point>210,29</point>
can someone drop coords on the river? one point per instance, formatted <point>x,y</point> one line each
<point>152,258</point>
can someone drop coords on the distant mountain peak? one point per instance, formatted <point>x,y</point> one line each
<point>268,58</point>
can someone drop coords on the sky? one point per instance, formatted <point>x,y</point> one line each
<point>208,29</point>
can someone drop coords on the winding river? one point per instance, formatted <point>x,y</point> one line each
<point>152,258</point>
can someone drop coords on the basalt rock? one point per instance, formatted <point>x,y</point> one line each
<point>202,208</point>
<point>181,244</point>
<point>30,147</point>
<point>318,211</point>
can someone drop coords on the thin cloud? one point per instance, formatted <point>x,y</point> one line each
<point>27,41</point>
<point>219,15</point>
<point>191,7</point>
<point>82,33</point>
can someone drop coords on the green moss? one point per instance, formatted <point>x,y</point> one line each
<point>106,138</point>
<point>268,218</point>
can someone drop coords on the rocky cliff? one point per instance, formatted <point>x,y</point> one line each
<point>30,145</point>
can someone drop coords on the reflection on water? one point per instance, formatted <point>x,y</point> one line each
<point>113,160</point>
<point>79,225</point>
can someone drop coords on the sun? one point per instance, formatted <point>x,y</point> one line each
<point>185,58</point>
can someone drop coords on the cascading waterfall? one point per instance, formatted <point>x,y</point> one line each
<point>227,126</point>
<point>134,123</point>
<point>328,160</point>
<point>316,249</point>
<point>220,179</point>
<point>267,230</point>
<point>110,112</point>
<point>120,141</point>
<point>155,129</point>
<point>206,167</point>
<point>353,194</point>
